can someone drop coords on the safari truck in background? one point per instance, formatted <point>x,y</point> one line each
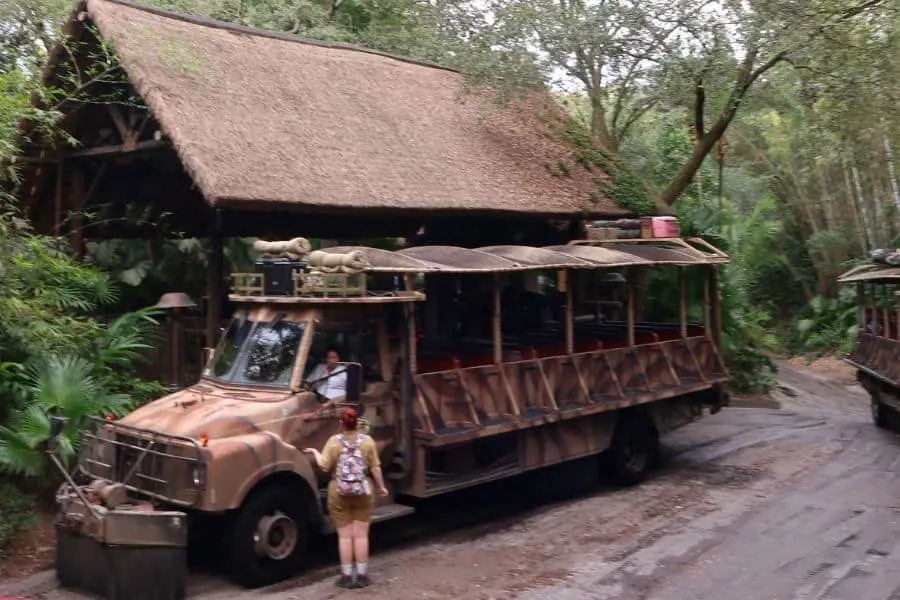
<point>467,366</point>
<point>877,348</point>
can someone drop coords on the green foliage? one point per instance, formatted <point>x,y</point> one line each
<point>17,513</point>
<point>74,387</point>
<point>827,326</point>
<point>621,185</point>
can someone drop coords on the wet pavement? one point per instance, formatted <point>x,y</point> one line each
<point>795,503</point>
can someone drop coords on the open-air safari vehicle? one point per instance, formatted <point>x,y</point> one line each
<point>877,348</point>
<point>468,365</point>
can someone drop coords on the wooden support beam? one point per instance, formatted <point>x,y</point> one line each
<point>33,160</point>
<point>214,280</point>
<point>631,308</point>
<point>716,305</point>
<point>98,151</point>
<point>57,208</point>
<point>80,199</point>
<point>566,280</point>
<point>682,302</point>
<point>497,322</point>
<point>119,121</point>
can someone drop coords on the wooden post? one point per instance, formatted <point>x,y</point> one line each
<point>897,309</point>
<point>631,289</point>
<point>497,323</point>
<point>57,209</point>
<point>716,305</point>
<point>861,305</point>
<point>78,195</point>
<point>410,313</point>
<point>214,280</point>
<point>565,282</point>
<point>682,302</point>
<point>707,324</point>
<point>884,310</point>
<point>875,308</point>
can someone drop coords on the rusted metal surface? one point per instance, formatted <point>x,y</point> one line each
<point>871,273</point>
<point>466,403</point>
<point>447,416</point>
<point>130,524</point>
<point>877,355</point>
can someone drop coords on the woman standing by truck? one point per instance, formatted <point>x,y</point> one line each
<point>350,456</point>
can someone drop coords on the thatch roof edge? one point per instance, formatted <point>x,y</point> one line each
<point>275,35</point>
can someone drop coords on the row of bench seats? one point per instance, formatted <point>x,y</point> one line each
<point>431,360</point>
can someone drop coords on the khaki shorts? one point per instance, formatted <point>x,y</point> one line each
<point>344,511</point>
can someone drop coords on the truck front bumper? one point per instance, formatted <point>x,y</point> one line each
<point>131,551</point>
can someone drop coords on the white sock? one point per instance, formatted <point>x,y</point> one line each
<point>347,569</point>
<point>361,568</point>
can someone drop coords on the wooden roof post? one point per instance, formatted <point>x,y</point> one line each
<point>707,309</point>
<point>682,302</point>
<point>716,305</point>
<point>498,328</point>
<point>214,280</point>
<point>565,281</point>
<point>861,305</point>
<point>631,292</point>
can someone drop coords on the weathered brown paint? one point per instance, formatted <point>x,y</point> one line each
<point>544,405</point>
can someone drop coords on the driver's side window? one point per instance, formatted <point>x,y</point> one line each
<point>357,344</point>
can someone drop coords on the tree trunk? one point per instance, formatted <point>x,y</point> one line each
<point>870,231</point>
<point>600,132</point>
<point>689,169</point>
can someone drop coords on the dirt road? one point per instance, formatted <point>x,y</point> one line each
<point>796,503</point>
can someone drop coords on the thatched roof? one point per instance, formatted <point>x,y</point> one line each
<point>269,121</point>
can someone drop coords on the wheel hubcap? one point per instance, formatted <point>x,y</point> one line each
<point>275,537</point>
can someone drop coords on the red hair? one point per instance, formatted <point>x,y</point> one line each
<point>348,418</point>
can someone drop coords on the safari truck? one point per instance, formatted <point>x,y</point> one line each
<point>877,346</point>
<point>466,365</point>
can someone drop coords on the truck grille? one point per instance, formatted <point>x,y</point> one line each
<point>156,465</point>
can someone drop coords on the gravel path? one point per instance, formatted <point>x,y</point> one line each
<point>799,502</point>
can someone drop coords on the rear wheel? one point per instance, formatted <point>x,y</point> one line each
<point>882,415</point>
<point>269,537</point>
<point>634,449</point>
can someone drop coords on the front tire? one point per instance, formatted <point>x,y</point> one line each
<point>634,450</point>
<point>268,537</point>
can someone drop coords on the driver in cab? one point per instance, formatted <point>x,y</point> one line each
<point>329,378</point>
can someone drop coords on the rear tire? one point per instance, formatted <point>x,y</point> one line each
<point>268,537</point>
<point>882,415</point>
<point>634,450</point>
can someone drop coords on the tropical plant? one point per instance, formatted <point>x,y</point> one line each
<point>829,325</point>
<point>63,386</point>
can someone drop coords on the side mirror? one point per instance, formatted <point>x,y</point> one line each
<point>354,383</point>
<point>57,424</point>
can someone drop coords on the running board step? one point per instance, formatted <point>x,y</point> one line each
<point>387,512</point>
<point>382,513</point>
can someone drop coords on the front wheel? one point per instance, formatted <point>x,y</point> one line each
<point>268,538</point>
<point>634,450</point>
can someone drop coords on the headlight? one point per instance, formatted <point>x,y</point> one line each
<point>197,476</point>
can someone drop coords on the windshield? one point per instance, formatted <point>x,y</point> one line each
<point>258,353</point>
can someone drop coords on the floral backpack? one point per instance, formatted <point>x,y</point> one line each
<point>351,469</point>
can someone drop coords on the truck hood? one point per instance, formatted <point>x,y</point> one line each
<point>216,412</point>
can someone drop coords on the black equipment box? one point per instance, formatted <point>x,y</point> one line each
<point>278,275</point>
